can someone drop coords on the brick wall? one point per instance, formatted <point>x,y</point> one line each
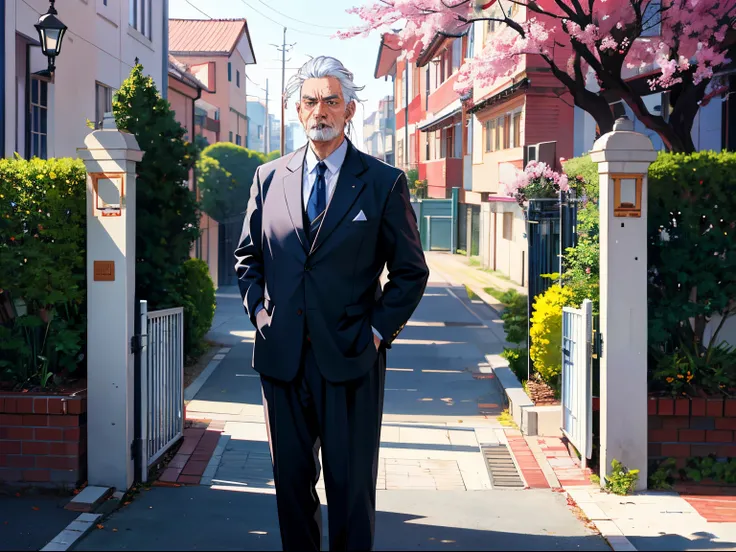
<point>681,428</point>
<point>43,439</point>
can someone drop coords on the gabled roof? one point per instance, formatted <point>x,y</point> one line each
<point>179,71</point>
<point>208,36</point>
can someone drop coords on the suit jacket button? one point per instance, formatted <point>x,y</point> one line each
<point>307,267</point>
<point>298,312</point>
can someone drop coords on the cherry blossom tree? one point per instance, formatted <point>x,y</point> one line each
<point>680,43</point>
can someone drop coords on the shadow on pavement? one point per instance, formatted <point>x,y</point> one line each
<point>28,522</point>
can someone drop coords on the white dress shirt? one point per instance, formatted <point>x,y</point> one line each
<point>334,163</point>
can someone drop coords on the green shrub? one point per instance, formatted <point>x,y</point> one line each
<point>42,270</point>
<point>515,317</point>
<point>167,220</point>
<point>225,174</point>
<point>582,174</point>
<point>518,362</point>
<point>621,481</point>
<point>691,226</point>
<point>546,333</point>
<point>198,292</point>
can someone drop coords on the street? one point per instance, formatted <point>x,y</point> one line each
<point>434,488</point>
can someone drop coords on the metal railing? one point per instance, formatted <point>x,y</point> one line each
<point>161,382</point>
<point>577,380</point>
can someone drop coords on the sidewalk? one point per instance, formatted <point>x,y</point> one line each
<point>439,423</point>
<point>644,521</point>
<point>29,520</point>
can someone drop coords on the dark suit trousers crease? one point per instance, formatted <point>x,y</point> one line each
<point>345,421</point>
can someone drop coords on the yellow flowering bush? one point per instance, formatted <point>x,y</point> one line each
<point>546,332</point>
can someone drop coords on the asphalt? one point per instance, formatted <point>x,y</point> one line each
<point>430,443</point>
<point>29,521</point>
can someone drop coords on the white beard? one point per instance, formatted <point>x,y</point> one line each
<point>322,134</point>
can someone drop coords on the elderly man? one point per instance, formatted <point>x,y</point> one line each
<point>321,225</point>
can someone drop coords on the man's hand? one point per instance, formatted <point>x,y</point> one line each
<point>376,341</point>
<point>261,320</point>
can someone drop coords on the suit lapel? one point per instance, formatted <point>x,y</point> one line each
<point>293,187</point>
<point>347,190</point>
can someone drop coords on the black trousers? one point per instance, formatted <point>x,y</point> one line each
<point>344,420</point>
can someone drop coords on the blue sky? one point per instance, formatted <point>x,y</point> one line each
<point>311,35</point>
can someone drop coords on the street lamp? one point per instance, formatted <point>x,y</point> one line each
<point>50,32</point>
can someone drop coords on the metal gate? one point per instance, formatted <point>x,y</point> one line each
<point>577,378</point>
<point>438,223</point>
<point>159,396</point>
<point>229,235</point>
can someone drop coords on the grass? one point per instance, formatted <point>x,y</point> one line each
<point>506,420</point>
<point>494,292</point>
<point>471,294</point>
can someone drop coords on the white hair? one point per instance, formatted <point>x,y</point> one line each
<point>321,67</point>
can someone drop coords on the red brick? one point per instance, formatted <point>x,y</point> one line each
<point>654,422</point>
<point>35,420</point>
<point>64,449</point>
<point>714,407</point>
<point>37,476</point>
<point>55,406</point>
<point>655,449</point>
<point>194,467</point>
<point>11,420</point>
<point>20,461</point>
<point>719,436</point>
<point>10,447</point>
<point>11,406</point>
<point>697,407</point>
<point>726,423</point>
<point>2,404</point>
<point>72,434</point>
<point>20,433</point>
<point>652,406</point>
<point>729,451</point>
<point>64,421</point>
<point>40,406</point>
<point>170,475</point>
<point>35,447</point>
<point>49,434</point>
<point>662,435</point>
<point>24,406</point>
<point>730,408</point>
<point>189,479</point>
<point>57,462</point>
<point>74,406</point>
<point>676,450</point>
<point>8,474</point>
<point>675,422</point>
<point>692,436</point>
<point>704,450</point>
<point>682,407</point>
<point>666,407</point>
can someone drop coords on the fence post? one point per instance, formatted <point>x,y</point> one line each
<point>110,157</point>
<point>142,392</point>
<point>623,158</point>
<point>454,212</point>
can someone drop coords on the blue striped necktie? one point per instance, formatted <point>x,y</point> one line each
<point>317,200</point>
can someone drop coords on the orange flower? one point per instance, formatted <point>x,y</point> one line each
<point>670,380</point>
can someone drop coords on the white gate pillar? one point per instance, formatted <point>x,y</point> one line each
<point>110,157</point>
<point>623,158</point>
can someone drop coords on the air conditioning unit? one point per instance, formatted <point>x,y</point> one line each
<point>545,152</point>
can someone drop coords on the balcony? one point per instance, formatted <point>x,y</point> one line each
<point>443,175</point>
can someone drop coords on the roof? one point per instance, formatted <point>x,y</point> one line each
<point>388,52</point>
<point>179,71</point>
<point>208,36</point>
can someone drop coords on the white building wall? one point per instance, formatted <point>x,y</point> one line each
<point>99,46</point>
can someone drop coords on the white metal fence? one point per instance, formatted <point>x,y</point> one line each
<point>162,382</point>
<point>577,379</point>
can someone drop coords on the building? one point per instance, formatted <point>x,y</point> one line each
<point>378,131</point>
<point>257,129</point>
<point>295,137</point>
<point>274,133</point>
<point>46,116</point>
<point>217,52</point>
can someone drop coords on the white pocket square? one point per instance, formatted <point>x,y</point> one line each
<point>360,217</point>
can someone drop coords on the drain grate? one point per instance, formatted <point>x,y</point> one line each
<point>463,325</point>
<point>501,467</point>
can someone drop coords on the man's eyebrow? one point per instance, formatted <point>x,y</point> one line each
<point>333,97</point>
<point>305,97</point>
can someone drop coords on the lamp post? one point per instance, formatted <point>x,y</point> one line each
<point>50,32</point>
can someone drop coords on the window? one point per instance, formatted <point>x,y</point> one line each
<point>231,136</point>
<point>416,82</point>
<point>500,134</point>
<point>229,72</point>
<point>237,139</point>
<point>490,130</point>
<point>457,54</point>
<point>38,134</point>
<point>412,149</point>
<point>516,130</point>
<point>260,132</point>
<point>140,16</point>
<point>400,149</point>
<point>508,226</point>
<point>237,79</point>
<point>103,103</point>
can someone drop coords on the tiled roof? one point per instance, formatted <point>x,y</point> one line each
<point>205,35</point>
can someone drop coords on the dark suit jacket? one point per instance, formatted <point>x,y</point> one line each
<point>332,288</point>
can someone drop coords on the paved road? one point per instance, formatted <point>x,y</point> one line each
<point>29,521</point>
<point>434,489</point>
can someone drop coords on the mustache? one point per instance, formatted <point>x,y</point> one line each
<point>319,125</point>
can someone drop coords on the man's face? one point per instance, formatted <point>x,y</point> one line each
<point>322,109</point>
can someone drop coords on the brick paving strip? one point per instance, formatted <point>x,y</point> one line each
<point>531,472</point>
<point>715,509</point>
<point>567,468</point>
<point>192,458</point>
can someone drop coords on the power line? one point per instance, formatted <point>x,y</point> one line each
<point>281,24</point>
<point>196,8</point>
<point>299,20</point>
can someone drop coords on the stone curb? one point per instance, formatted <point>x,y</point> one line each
<point>73,532</point>
<point>603,523</point>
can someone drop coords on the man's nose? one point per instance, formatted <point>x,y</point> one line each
<point>318,109</point>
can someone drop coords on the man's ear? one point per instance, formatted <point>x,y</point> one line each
<point>350,111</point>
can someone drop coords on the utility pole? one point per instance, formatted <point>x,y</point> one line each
<point>283,49</point>
<point>266,127</point>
